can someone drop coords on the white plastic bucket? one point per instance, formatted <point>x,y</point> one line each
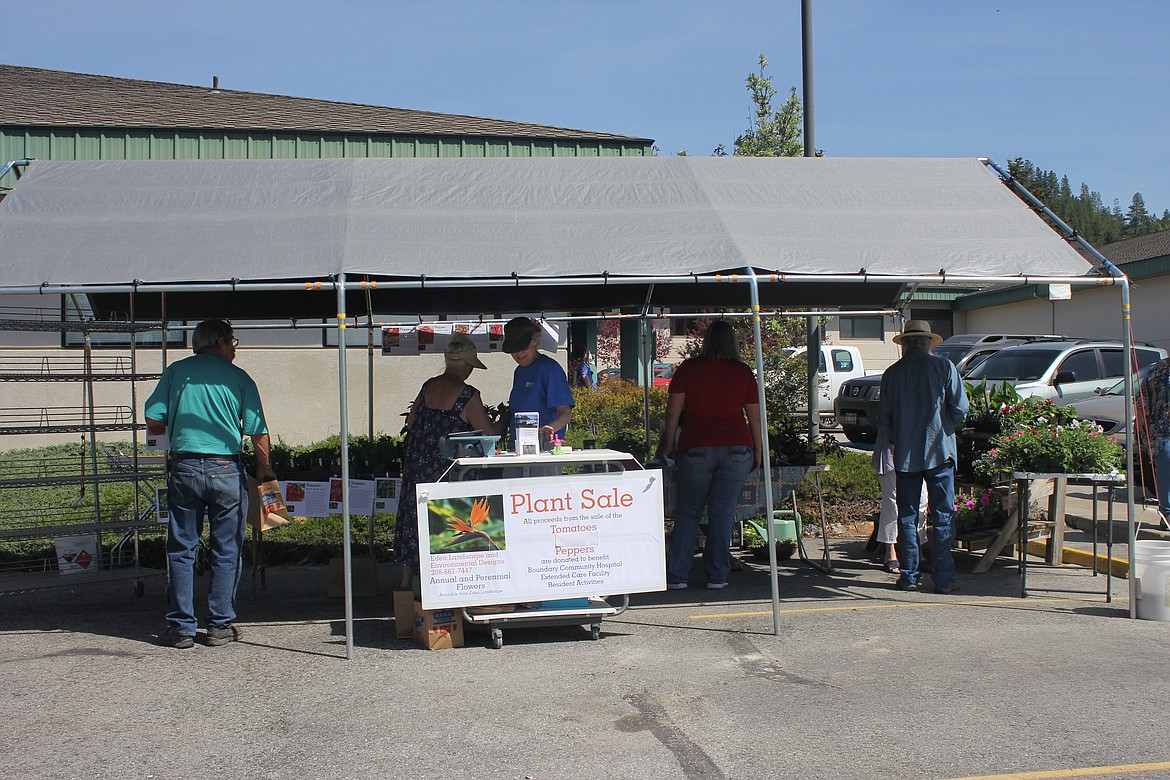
<point>1152,573</point>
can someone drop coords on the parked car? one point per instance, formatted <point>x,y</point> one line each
<point>662,374</point>
<point>968,350</point>
<point>1107,409</point>
<point>838,365</point>
<point>856,404</point>
<point>1065,371</point>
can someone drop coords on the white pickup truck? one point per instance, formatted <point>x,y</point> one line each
<point>837,365</point>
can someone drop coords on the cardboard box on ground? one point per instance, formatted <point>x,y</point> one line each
<point>437,629</point>
<point>433,629</point>
<point>404,613</point>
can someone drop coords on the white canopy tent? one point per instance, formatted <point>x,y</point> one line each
<point>469,236</point>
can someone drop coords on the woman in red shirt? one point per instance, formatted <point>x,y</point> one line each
<point>717,449</point>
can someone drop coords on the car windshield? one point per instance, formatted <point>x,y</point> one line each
<point>953,354</point>
<point>1014,365</point>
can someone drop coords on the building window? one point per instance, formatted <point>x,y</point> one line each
<point>939,319</point>
<point>868,327</point>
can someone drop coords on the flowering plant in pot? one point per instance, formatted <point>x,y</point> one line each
<point>996,412</point>
<point>1078,447</point>
<point>981,508</point>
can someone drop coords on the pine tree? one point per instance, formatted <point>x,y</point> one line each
<point>1137,219</point>
<point>1086,213</point>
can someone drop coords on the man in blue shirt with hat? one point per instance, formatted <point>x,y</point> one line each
<point>922,401</point>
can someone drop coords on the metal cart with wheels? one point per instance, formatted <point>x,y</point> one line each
<point>598,609</point>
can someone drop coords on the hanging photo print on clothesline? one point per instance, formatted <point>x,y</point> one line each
<point>431,337</point>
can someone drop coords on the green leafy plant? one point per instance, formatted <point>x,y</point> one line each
<point>380,455</point>
<point>986,405</point>
<point>790,444</point>
<point>758,545</point>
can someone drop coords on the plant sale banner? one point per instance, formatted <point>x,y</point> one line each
<point>509,541</point>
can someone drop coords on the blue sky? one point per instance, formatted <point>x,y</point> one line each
<point>1077,86</point>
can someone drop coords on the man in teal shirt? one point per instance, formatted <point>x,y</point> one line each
<point>206,405</point>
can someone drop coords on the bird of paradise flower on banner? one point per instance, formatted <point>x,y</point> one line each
<point>466,524</point>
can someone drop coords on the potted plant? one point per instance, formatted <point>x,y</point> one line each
<point>981,509</point>
<point>758,545</point>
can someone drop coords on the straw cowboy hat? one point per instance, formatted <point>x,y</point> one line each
<point>462,347</point>
<point>918,328</point>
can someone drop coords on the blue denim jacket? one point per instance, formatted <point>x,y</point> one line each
<point>922,401</point>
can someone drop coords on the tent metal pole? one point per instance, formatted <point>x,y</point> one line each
<point>343,392</point>
<point>1127,337</point>
<point>1070,234</point>
<point>766,457</point>
<point>951,280</point>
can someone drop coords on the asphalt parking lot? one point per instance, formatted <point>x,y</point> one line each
<point>862,681</point>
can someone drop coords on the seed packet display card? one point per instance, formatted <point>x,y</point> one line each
<point>527,433</point>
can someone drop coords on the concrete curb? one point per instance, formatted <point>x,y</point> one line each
<point>1078,557</point>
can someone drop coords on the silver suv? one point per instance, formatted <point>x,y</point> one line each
<point>968,350</point>
<point>1065,371</point>
<point>857,402</point>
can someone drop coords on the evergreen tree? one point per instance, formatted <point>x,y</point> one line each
<point>1086,212</point>
<point>1137,219</point>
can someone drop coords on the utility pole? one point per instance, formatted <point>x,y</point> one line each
<point>810,144</point>
<point>813,328</point>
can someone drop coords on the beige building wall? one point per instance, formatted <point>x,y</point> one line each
<point>1092,313</point>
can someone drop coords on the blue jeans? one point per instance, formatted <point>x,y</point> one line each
<point>1161,458</point>
<point>940,487</point>
<point>217,487</point>
<point>711,477</point>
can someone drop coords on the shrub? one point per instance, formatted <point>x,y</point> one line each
<point>613,416</point>
<point>851,477</point>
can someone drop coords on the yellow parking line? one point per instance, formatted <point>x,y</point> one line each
<point>899,606</point>
<point>1085,771</point>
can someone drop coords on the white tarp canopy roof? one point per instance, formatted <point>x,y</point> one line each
<point>116,222</point>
